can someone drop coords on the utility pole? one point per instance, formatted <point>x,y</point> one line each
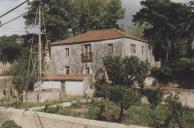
<point>39,47</point>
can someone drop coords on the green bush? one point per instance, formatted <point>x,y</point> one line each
<point>104,110</point>
<point>162,74</point>
<point>124,98</point>
<point>10,124</point>
<point>174,114</point>
<point>184,72</point>
<point>51,109</point>
<point>76,105</point>
<point>155,96</point>
<point>181,71</point>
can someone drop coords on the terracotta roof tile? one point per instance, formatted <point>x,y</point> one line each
<point>97,35</point>
<point>64,78</point>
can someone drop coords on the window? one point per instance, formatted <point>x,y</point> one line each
<point>67,70</point>
<point>87,48</point>
<point>87,70</point>
<point>150,49</point>
<point>66,51</point>
<point>142,50</point>
<point>133,48</point>
<point>110,48</point>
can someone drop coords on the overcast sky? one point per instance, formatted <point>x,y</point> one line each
<point>18,26</point>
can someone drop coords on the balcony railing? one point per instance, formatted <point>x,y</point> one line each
<point>86,57</point>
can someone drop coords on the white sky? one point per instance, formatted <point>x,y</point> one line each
<point>18,26</point>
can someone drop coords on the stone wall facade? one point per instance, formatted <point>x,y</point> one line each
<point>99,49</point>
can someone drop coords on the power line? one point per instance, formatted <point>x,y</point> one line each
<point>13,19</point>
<point>13,9</point>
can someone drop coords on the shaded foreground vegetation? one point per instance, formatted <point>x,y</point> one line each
<point>137,114</point>
<point>98,109</point>
<point>9,124</point>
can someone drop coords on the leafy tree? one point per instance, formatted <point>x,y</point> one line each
<point>9,49</point>
<point>184,72</point>
<point>101,84</point>
<point>78,15</point>
<point>181,72</point>
<point>126,71</point>
<point>103,110</point>
<point>155,96</point>
<point>163,74</point>
<point>163,26</point>
<point>189,29</point>
<point>174,116</point>
<point>124,98</point>
<point>20,73</point>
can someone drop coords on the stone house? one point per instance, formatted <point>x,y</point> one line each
<point>76,60</point>
<point>83,54</point>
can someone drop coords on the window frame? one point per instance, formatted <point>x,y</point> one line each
<point>110,48</point>
<point>133,48</point>
<point>87,48</point>
<point>67,51</point>
<point>67,70</point>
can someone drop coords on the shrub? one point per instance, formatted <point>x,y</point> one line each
<point>124,98</point>
<point>174,114</point>
<point>10,124</point>
<point>51,109</point>
<point>76,105</point>
<point>155,96</point>
<point>184,72</point>
<point>162,74</point>
<point>103,110</point>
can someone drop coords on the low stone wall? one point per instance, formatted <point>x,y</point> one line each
<point>32,119</point>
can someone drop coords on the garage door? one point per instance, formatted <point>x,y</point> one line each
<point>74,88</point>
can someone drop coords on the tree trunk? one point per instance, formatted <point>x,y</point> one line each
<point>166,48</point>
<point>172,50</point>
<point>121,114</point>
<point>19,99</point>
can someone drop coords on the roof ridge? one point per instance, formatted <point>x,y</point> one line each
<point>122,32</point>
<point>100,30</point>
<point>100,34</point>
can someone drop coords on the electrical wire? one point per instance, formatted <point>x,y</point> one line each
<point>13,19</point>
<point>13,9</point>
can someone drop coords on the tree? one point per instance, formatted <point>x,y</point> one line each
<point>78,15</point>
<point>181,72</point>
<point>101,84</point>
<point>20,72</point>
<point>163,26</point>
<point>155,96</point>
<point>124,98</point>
<point>189,29</point>
<point>174,114</point>
<point>9,49</point>
<point>126,71</point>
<point>184,72</point>
<point>163,74</point>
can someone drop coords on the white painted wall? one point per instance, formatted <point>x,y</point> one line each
<point>46,85</point>
<point>74,88</point>
<point>51,85</point>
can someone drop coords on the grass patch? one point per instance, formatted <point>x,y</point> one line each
<point>137,114</point>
